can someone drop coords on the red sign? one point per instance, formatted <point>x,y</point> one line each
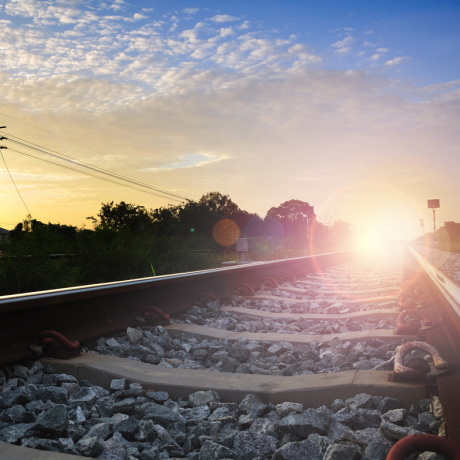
<point>433,204</point>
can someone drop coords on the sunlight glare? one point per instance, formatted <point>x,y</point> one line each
<point>370,242</point>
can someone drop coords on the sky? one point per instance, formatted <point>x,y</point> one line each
<point>350,106</point>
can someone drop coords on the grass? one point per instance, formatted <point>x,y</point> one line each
<point>107,256</point>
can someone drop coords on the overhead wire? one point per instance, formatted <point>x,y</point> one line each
<point>97,169</point>
<point>93,150</point>
<point>93,175</point>
<point>19,193</point>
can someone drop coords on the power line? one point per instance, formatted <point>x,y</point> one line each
<point>19,193</point>
<point>89,148</point>
<point>94,168</point>
<point>92,175</point>
<point>97,169</point>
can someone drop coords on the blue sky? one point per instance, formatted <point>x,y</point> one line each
<point>415,40</point>
<point>351,106</point>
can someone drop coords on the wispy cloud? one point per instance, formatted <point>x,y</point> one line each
<point>395,61</point>
<point>343,46</point>
<point>213,104</point>
<point>190,10</point>
<point>135,49</point>
<point>223,18</point>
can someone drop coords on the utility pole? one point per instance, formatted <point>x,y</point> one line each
<point>434,204</point>
<point>2,138</point>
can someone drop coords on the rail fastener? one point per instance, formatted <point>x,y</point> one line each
<point>413,327</point>
<point>244,289</point>
<point>424,442</point>
<point>417,373</point>
<point>57,346</point>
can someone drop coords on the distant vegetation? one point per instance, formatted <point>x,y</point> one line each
<point>448,237</point>
<point>129,241</point>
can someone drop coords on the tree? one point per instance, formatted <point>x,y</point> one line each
<point>341,233</point>
<point>198,216</point>
<point>166,220</point>
<point>219,204</point>
<point>294,213</point>
<point>125,215</point>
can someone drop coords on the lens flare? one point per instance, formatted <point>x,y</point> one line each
<point>226,232</point>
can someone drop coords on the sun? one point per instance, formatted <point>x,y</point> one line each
<point>370,242</point>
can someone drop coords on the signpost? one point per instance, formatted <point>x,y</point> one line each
<point>422,224</point>
<point>433,204</point>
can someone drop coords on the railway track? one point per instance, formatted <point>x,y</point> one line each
<point>320,338</point>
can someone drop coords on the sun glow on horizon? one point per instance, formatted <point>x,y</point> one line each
<point>370,242</point>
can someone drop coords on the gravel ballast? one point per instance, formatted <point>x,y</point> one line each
<point>188,351</point>
<point>42,409</point>
<point>446,262</point>
<point>160,347</point>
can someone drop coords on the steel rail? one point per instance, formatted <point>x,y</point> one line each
<point>87,312</point>
<point>445,336</point>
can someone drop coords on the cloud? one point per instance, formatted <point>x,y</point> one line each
<point>342,46</point>
<point>191,161</point>
<point>117,5</point>
<point>344,126</point>
<point>223,18</point>
<point>190,10</point>
<point>395,61</point>
<point>95,44</point>
<point>226,31</point>
<point>136,17</point>
<point>180,102</point>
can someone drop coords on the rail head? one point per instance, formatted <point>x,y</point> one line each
<point>56,296</point>
<point>449,290</point>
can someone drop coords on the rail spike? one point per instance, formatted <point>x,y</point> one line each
<point>415,374</point>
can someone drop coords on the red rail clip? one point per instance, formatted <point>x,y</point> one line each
<point>288,277</point>
<point>244,289</point>
<point>407,373</point>
<point>204,298</point>
<point>413,326</point>
<point>154,316</point>
<point>301,274</point>
<point>422,443</point>
<point>48,336</point>
<point>57,346</point>
<point>269,282</point>
<point>417,299</point>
